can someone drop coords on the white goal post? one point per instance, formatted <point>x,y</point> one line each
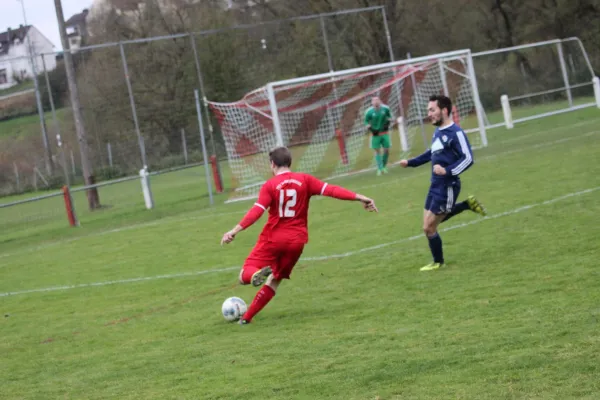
<point>321,117</point>
<point>534,80</point>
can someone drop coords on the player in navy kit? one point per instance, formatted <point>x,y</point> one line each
<point>450,155</point>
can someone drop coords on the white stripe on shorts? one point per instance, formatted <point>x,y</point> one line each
<point>450,199</point>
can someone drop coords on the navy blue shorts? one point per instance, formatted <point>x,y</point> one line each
<point>441,197</point>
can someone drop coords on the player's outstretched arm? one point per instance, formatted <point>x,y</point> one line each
<point>418,160</point>
<point>229,236</point>
<point>317,187</point>
<point>253,215</point>
<point>340,193</point>
<point>249,219</point>
<point>368,203</point>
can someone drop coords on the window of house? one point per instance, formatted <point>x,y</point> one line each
<point>3,76</point>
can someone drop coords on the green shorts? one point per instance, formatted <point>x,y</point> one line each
<point>381,140</point>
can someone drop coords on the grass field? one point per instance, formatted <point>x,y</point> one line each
<point>128,305</point>
<point>17,88</point>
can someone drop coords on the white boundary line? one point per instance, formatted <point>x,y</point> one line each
<point>117,230</point>
<point>319,258</point>
<point>199,217</point>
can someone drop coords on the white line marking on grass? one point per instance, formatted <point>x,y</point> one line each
<point>120,281</point>
<point>117,230</point>
<point>450,228</point>
<point>384,183</point>
<point>546,131</point>
<point>305,259</point>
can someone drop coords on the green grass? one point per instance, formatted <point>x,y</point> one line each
<point>28,84</point>
<point>24,127</point>
<point>522,110</point>
<point>515,315</point>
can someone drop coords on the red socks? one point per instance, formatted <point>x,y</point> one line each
<point>247,273</point>
<point>262,298</point>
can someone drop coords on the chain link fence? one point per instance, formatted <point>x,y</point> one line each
<point>140,112</point>
<point>137,96</point>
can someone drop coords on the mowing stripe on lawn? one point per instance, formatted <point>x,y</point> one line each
<point>305,259</point>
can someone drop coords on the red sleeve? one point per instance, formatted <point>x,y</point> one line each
<point>315,186</point>
<point>338,192</point>
<point>318,187</point>
<point>257,210</point>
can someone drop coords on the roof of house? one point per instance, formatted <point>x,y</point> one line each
<point>77,18</point>
<point>9,36</point>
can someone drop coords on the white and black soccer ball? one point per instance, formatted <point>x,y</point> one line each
<point>233,308</point>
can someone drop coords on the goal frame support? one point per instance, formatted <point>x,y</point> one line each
<point>567,87</point>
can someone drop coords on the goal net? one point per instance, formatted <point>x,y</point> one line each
<point>321,118</point>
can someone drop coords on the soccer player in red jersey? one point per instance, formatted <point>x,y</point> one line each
<point>281,242</point>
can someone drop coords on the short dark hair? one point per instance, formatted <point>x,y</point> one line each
<point>281,157</point>
<point>442,102</point>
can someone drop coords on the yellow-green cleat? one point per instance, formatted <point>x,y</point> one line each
<point>432,266</point>
<point>476,206</point>
<point>384,170</point>
<point>379,172</point>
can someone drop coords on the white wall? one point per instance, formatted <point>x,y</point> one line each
<point>17,59</point>
<point>42,45</point>
<point>8,67</point>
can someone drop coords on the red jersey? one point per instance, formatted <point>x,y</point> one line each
<point>287,197</point>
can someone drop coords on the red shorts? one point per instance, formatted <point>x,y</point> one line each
<point>281,257</point>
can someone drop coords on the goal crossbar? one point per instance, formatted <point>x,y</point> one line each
<point>327,75</point>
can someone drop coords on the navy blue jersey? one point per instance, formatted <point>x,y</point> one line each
<point>450,149</point>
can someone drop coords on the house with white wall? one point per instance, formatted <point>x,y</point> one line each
<point>15,55</point>
<point>77,32</point>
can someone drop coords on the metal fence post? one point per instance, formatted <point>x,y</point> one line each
<point>184,145</point>
<point>110,157</point>
<point>17,177</point>
<point>326,43</point>
<point>387,34</point>
<point>56,126</point>
<point>330,65</point>
<point>133,109</point>
<point>73,163</point>
<point>38,97</point>
<point>397,89</point>
<point>417,96</point>
<point>565,75</point>
<point>201,82</point>
<point>202,141</point>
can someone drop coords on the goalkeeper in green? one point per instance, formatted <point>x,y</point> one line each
<point>378,119</point>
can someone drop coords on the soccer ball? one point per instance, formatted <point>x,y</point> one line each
<point>233,308</point>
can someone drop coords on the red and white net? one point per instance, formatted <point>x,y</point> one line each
<point>322,120</point>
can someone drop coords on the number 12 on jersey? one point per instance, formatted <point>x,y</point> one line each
<point>287,200</point>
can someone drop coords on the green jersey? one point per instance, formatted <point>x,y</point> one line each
<point>379,118</point>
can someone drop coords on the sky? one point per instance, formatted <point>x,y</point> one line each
<point>41,14</point>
